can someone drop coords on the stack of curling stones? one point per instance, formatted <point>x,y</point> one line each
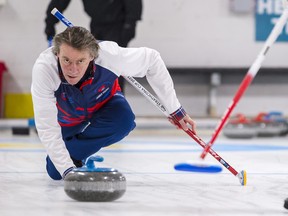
<point>263,125</point>
<point>240,127</point>
<point>92,184</point>
<point>271,124</point>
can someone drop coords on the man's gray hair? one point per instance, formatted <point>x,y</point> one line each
<point>77,37</point>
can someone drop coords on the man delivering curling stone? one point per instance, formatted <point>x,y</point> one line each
<point>78,104</point>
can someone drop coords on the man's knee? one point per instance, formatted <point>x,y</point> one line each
<point>125,122</point>
<point>120,116</point>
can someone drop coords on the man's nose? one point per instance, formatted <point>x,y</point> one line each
<point>73,67</point>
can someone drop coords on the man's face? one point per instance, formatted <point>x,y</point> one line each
<point>73,62</point>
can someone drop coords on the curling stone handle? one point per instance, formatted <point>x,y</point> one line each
<point>90,161</point>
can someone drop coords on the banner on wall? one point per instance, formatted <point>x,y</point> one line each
<point>266,15</point>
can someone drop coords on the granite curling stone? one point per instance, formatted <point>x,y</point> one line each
<point>271,124</point>
<point>92,184</point>
<point>240,127</point>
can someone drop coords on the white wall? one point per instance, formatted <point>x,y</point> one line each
<point>197,33</point>
<point>188,33</point>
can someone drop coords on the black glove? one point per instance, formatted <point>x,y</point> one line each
<point>50,31</point>
<point>128,33</point>
<point>77,163</point>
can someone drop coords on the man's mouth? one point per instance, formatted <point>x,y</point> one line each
<point>71,77</point>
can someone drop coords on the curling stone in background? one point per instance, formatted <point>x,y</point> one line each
<point>239,127</point>
<point>286,203</point>
<point>270,124</point>
<point>93,184</point>
<point>261,123</point>
<point>279,122</point>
